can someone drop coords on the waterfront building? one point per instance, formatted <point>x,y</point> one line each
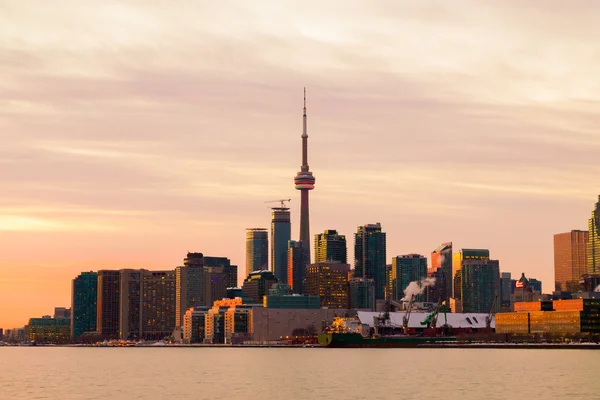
<point>361,293</point>
<point>280,236</point>
<point>570,259</point>
<point>257,285</point>
<point>108,304</point>
<point>441,266</point>
<point>328,281</point>
<point>480,284</point>
<point>331,247</point>
<point>194,324</point>
<point>304,182</point>
<point>593,248</point>
<point>257,250</point>
<point>280,296</point>
<point>296,266</point>
<point>370,256</point>
<point>505,291</point>
<point>406,269</point>
<point>84,297</point>
<point>131,292</point>
<point>228,321</point>
<point>48,330</point>
<point>158,304</point>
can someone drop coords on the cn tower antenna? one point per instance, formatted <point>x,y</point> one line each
<point>305,98</point>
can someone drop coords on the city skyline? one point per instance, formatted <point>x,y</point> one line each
<point>481,134</point>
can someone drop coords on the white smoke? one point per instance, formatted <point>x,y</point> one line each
<point>597,289</point>
<point>416,288</point>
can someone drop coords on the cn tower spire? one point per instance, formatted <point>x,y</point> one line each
<point>304,181</point>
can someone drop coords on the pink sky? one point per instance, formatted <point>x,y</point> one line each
<point>132,134</point>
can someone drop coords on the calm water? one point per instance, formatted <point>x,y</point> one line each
<point>272,374</point>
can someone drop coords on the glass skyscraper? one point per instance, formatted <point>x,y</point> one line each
<point>84,296</point>
<point>331,247</point>
<point>593,249</point>
<point>441,267</point>
<point>280,236</point>
<point>370,256</point>
<point>406,269</point>
<point>257,250</point>
<point>480,282</point>
<point>296,266</point>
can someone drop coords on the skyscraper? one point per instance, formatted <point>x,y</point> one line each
<point>570,259</point>
<point>593,250</point>
<point>108,305</point>
<point>257,250</point>
<point>296,266</point>
<point>478,280</point>
<point>441,266</point>
<point>131,293</point>
<point>158,304</point>
<point>406,269</point>
<point>84,296</point>
<point>330,247</point>
<point>329,281</point>
<point>304,182</point>
<point>370,256</point>
<point>280,236</point>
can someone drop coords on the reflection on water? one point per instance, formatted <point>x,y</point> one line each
<point>297,373</point>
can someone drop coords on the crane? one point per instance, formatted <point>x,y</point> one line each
<point>282,201</point>
<point>488,319</point>
<point>407,315</point>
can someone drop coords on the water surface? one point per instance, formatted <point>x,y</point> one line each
<point>297,373</point>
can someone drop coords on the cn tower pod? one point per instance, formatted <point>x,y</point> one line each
<point>304,181</point>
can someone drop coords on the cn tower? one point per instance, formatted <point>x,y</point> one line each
<point>304,181</point>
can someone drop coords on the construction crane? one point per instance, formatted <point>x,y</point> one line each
<point>488,319</point>
<point>282,201</point>
<point>407,315</point>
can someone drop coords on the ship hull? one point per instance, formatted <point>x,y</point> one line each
<point>356,340</point>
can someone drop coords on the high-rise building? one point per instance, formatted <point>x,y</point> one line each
<point>231,274</point>
<point>406,269</point>
<point>505,291</point>
<point>330,247</point>
<point>329,281</point>
<point>480,282</point>
<point>108,304</point>
<point>130,325</point>
<point>570,259</point>
<point>304,182</point>
<point>441,266</point>
<point>370,256</point>
<point>362,294</point>
<point>257,250</point>
<point>257,285</point>
<point>296,266</point>
<point>593,250</point>
<point>280,236</point>
<point>84,297</point>
<point>466,254</point>
<point>158,304</point>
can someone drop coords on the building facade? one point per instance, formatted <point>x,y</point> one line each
<point>257,285</point>
<point>331,247</point>
<point>48,330</point>
<point>406,269</point>
<point>328,281</point>
<point>570,259</point>
<point>480,282</point>
<point>593,248</point>
<point>370,256</point>
<point>280,236</point>
<point>441,265</point>
<point>361,293</point>
<point>257,250</point>
<point>108,304</point>
<point>84,297</point>
<point>296,266</point>
<point>158,304</point>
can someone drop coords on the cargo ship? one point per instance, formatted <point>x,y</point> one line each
<point>354,339</point>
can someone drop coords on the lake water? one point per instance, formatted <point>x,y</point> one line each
<point>297,373</point>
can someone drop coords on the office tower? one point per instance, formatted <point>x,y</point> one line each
<point>296,266</point>
<point>84,297</point>
<point>257,285</point>
<point>330,247</point>
<point>441,264</point>
<point>480,284</point>
<point>189,283</point>
<point>467,254</point>
<point>370,256</point>
<point>304,182</point>
<point>505,291</point>
<point>389,282</point>
<point>593,249</point>
<point>280,236</point>
<point>158,304</point>
<point>131,292</point>
<point>108,304</point>
<point>329,281</point>
<point>231,272</point>
<point>406,269</point>
<point>257,250</point>
<point>362,294</point>
<point>570,259</point>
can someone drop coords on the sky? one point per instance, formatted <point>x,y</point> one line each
<point>134,132</point>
